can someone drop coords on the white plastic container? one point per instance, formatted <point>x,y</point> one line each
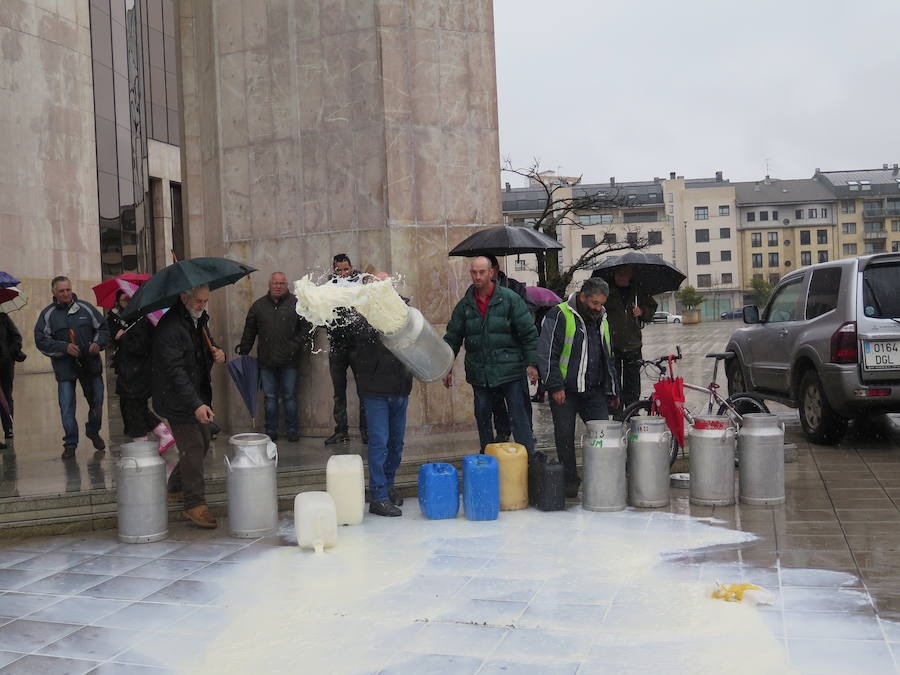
<point>315,520</point>
<point>345,482</point>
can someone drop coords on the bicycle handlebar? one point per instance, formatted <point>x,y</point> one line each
<point>661,362</point>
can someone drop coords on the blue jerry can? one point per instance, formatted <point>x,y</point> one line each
<point>439,490</point>
<point>481,487</point>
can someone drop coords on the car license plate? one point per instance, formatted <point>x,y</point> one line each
<point>881,355</point>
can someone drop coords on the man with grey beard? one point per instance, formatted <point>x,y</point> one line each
<point>183,355</point>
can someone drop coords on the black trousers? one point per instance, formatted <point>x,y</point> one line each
<point>138,418</point>
<point>192,439</point>
<point>628,369</point>
<point>338,362</point>
<point>7,372</point>
<point>590,405</point>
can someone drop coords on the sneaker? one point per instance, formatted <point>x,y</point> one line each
<point>272,437</point>
<point>8,434</point>
<point>364,436</point>
<point>97,440</point>
<point>395,496</point>
<point>384,508</point>
<point>338,437</point>
<point>68,451</point>
<point>201,517</point>
<point>572,490</point>
<point>293,438</point>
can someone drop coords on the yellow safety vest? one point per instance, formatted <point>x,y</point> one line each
<point>566,352</point>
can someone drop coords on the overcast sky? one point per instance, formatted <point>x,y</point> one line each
<point>637,89</point>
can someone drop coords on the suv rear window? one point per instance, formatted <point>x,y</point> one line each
<point>823,291</point>
<point>880,296</point>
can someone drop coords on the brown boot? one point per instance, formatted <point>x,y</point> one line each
<point>201,517</point>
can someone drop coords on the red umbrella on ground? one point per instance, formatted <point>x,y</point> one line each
<point>107,291</point>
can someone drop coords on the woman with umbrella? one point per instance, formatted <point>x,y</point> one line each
<point>11,299</point>
<point>133,342</point>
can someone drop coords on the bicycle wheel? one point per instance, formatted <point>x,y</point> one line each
<point>744,404</point>
<point>643,408</point>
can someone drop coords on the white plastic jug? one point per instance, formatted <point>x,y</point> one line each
<point>315,520</point>
<point>345,482</point>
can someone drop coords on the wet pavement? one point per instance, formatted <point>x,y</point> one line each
<point>532,592</point>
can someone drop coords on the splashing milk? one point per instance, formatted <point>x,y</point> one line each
<point>376,300</point>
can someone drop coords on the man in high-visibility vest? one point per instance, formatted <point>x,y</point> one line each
<point>577,368</point>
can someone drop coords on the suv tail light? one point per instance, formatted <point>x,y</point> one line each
<point>843,344</point>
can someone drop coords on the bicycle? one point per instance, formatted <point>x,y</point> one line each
<point>735,406</point>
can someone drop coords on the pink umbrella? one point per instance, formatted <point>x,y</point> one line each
<point>542,297</point>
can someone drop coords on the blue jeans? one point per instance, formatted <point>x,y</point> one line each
<point>281,381</point>
<point>386,417</point>
<point>92,386</point>
<point>516,394</point>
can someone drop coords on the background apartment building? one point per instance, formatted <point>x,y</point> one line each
<point>784,224</point>
<point>869,209</point>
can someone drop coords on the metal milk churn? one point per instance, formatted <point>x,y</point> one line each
<point>711,442</point>
<point>648,461</point>
<point>252,492</point>
<point>419,347</point>
<point>605,486</point>
<point>141,493</point>
<point>761,459</point>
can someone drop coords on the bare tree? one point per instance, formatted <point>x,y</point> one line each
<point>561,207</point>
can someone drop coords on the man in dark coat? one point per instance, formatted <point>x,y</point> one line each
<point>10,353</point>
<point>73,333</point>
<point>629,310</point>
<point>342,354</point>
<point>577,367</point>
<point>183,355</point>
<point>282,336</point>
<point>133,342</point>
<point>500,338</point>
<point>384,385</point>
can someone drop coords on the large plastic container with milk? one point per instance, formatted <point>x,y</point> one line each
<point>345,482</point>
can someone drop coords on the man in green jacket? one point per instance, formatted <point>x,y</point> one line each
<point>501,342</point>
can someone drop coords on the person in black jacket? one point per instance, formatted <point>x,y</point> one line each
<point>10,353</point>
<point>133,342</point>
<point>183,355</point>
<point>73,333</point>
<point>342,354</point>
<point>282,336</point>
<point>384,386</point>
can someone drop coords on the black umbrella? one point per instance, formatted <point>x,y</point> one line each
<point>244,370</point>
<point>505,240</point>
<point>162,289</point>
<point>649,271</point>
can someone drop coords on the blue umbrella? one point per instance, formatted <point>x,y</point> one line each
<point>8,280</point>
<point>244,371</point>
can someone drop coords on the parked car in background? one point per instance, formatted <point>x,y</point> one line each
<point>733,314</point>
<point>665,317</point>
<point>828,343</point>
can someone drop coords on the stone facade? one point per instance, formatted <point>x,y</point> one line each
<point>48,177</point>
<point>366,127</point>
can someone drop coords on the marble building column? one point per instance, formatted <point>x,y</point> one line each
<point>48,180</point>
<point>313,127</point>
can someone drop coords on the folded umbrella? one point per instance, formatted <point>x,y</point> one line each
<point>650,272</point>
<point>12,299</point>
<point>505,240</point>
<point>670,402</point>
<point>107,291</point>
<point>244,370</point>
<point>162,289</point>
<point>7,280</point>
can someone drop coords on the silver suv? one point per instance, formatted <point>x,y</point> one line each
<point>827,342</point>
